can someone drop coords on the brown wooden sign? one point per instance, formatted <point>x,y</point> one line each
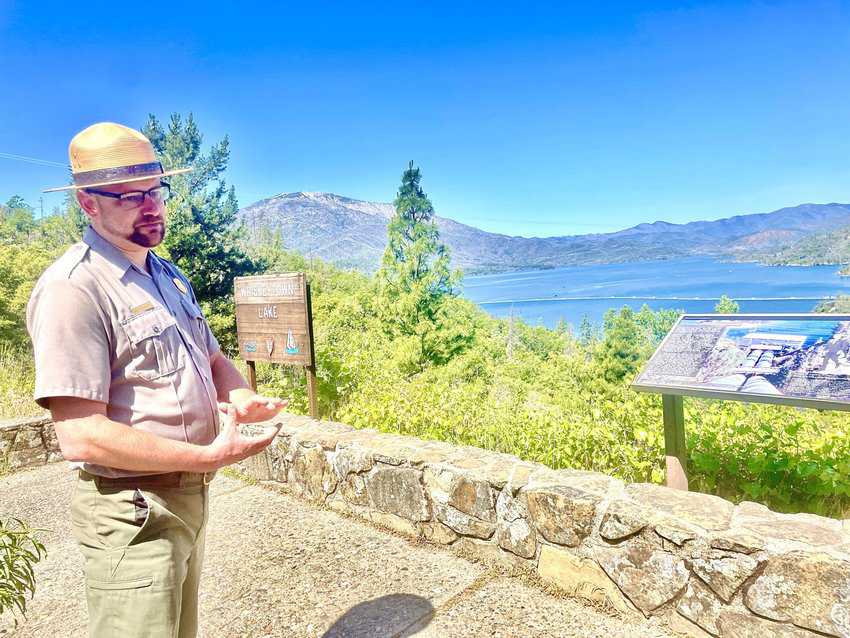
<point>272,322</point>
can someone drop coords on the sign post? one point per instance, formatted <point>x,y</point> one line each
<point>800,360</point>
<point>274,323</point>
<point>674,441</point>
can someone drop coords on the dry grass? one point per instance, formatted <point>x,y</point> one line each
<point>17,382</point>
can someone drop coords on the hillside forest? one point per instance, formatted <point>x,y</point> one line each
<point>400,351</point>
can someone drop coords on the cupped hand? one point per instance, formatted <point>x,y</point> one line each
<point>231,445</point>
<point>255,408</point>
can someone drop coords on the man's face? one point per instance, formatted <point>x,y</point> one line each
<point>120,222</point>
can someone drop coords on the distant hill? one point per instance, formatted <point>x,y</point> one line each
<point>352,233</point>
<point>827,248</point>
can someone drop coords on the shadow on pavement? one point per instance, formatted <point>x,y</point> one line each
<point>396,616</point>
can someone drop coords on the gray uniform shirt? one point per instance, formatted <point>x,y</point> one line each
<point>105,330</point>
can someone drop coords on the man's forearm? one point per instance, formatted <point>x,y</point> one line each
<point>101,441</point>
<point>228,379</point>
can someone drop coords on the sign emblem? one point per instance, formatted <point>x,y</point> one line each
<point>181,286</point>
<point>291,346</point>
<point>269,345</point>
<point>250,346</point>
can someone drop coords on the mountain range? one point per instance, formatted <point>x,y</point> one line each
<point>352,234</point>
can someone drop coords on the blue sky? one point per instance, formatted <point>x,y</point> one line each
<point>526,118</point>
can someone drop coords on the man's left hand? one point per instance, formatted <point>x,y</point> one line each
<point>255,408</point>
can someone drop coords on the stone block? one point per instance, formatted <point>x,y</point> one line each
<point>623,519</point>
<point>681,625</point>
<point>513,531</point>
<point>723,572</point>
<point>439,480</point>
<point>489,553</point>
<point>462,523</point>
<point>394,523</point>
<point>563,515</point>
<point>675,533</point>
<point>7,437</point>
<point>27,457</point>
<point>699,605</point>
<point>740,625</point>
<point>580,577</point>
<point>310,475</point>
<point>256,467</point>
<point>398,491</point>
<point>809,590</point>
<point>648,576</point>
<point>703,510</point>
<point>435,532</point>
<point>740,541</point>
<point>277,454</point>
<point>473,497</point>
<point>353,489</point>
<point>517,537</point>
<point>781,529</point>
<point>351,460</point>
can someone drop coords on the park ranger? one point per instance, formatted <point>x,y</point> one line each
<point>145,404</point>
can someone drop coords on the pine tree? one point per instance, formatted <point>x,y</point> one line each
<point>622,345</point>
<point>415,281</point>
<point>727,306</point>
<point>203,236</point>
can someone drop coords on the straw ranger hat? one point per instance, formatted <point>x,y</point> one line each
<point>108,153</point>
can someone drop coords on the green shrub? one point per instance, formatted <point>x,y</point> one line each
<point>20,550</point>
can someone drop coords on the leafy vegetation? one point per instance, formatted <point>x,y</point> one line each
<point>727,306</point>
<point>20,550</point>
<point>402,352</point>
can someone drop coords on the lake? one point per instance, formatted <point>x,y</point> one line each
<point>543,297</point>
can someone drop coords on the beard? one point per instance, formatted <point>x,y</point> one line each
<point>149,235</point>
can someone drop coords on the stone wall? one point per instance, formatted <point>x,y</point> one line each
<point>27,442</point>
<point>710,567</point>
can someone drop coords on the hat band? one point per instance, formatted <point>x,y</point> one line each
<point>118,173</point>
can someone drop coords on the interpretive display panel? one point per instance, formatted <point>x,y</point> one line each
<point>799,360</point>
<point>272,322</point>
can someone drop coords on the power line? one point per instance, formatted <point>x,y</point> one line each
<point>31,160</point>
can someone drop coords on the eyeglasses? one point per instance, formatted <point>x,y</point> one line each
<point>134,199</point>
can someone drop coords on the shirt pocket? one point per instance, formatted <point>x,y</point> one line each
<point>196,321</point>
<point>155,344</point>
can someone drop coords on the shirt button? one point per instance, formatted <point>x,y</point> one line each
<point>156,330</point>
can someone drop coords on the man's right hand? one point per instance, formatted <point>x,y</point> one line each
<point>231,446</point>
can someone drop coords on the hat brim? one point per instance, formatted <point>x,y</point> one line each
<point>76,187</point>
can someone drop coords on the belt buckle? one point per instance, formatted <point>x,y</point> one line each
<point>211,476</point>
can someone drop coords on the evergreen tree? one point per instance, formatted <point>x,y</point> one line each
<point>415,284</point>
<point>203,236</point>
<point>78,221</point>
<point>622,346</point>
<point>727,306</point>
<point>17,220</point>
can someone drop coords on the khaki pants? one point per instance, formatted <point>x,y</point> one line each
<point>143,552</point>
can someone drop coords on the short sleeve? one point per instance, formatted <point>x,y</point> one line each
<point>70,344</point>
<point>212,342</point>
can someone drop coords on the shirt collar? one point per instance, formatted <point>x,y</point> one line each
<point>117,260</point>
